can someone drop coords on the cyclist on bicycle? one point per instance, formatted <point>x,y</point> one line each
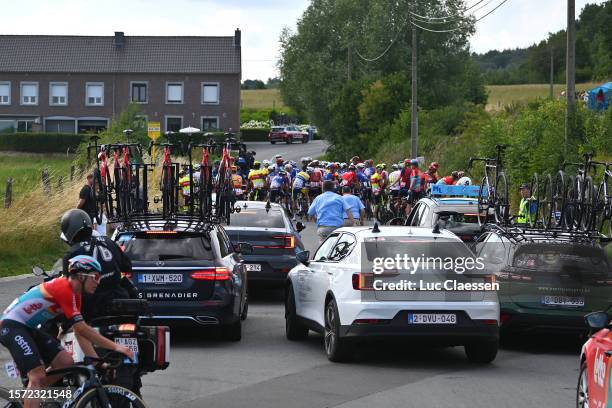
<point>449,180</point>
<point>395,182</point>
<point>237,184</point>
<point>432,173</point>
<point>417,186</point>
<point>32,349</point>
<point>279,185</point>
<point>349,178</point>
<point>369,169</point>
<point>316,180</point>
<point>305,161</point>
<point>257,181</point>
<point>300,185</point>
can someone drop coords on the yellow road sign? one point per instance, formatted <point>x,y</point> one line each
<point>154,130</point>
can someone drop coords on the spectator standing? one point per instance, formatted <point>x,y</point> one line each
<point>310,133</point>
<point>329,208</point>
<point>356,207</point>
<point>87,203</point>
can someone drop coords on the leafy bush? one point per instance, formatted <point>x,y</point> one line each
<point>40,142</point>
<point>254,135</point>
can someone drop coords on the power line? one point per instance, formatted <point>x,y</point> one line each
<point>385,51</point>
<point>451,17</point>
<point>448,19</point>
<point>458,28</point>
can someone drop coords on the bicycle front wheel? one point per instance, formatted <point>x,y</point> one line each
<point>484,201</point>
<point>5,402</point>
<point>546,212</point>
<point>117,396</point>
<point>502,205</point>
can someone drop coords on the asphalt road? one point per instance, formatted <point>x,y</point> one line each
<point>265,370</point>
<point>295,152</point>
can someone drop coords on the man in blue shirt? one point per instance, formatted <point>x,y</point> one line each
<point>330,210</point>
<point>356,206</point>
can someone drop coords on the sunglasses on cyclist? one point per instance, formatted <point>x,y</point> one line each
<point>96,276</point>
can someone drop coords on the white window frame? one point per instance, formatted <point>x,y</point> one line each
<point>209,117</point>
<point>146,84</point>
<point>166,117</point>
<point>51,84</point>
<point>10,89</point>
<point>87,85</point>
<point>21,84</point>
<point>182,84</point>
<point>203,84</point>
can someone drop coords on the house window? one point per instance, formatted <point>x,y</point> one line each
<point>94,94</point>
<point>5,93</point>
<point>174,123</point>
<point>29,93</point>
<point>24,125</point>
<point>58,93</point>
<point>174,92</point>
<point>210,93</point>
<point>210,123</point>
<point>139,92</point>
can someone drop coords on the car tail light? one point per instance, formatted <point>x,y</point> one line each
<point>363,281</point>
<point>504,318</point>
<point>160,232</point>
<point>211,274</point>
<point>488,322</point>
<point>289,243</point>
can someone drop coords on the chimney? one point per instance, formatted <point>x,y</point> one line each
<point>237,35</point>
<point>119,39</point>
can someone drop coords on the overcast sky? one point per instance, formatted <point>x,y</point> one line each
<point>517,23</point>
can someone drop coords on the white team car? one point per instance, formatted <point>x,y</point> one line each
<point>333,295</point>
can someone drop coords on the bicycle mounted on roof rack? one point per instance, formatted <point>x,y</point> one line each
<point>493,196</point>
<point>524,233</point>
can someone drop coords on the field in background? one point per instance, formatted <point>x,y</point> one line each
<point>501,95</point>
<point>261,99</point>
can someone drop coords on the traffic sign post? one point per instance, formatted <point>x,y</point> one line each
<point>154,133</point>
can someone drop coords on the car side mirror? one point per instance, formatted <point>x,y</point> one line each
<point>244,248</point>
<point>37,271</point>
<point>303,257</point>
<point>597,320</point>
<point>299,226</point>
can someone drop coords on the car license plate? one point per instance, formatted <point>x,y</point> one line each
<point>563,301</point>
<point>253,267</point>
<point>131,343</point>
<point>432,318</point>
<point>160,278</point>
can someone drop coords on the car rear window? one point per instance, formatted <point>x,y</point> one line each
<point>255,217</point>
<point>391,247</point>
<point>166,247</point>
<point>568,259</point>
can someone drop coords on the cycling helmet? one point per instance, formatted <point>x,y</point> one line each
<point>266,163</point>
<point>379,166</point>
<point>241,161</point>
<point>306,160</point>
<point>394,166</point>
<point>309,169</point>
<point>406,161</point>
<point>434,165</point>
<point>288,167</point>
<point>83,264</point>
<point>330,166</point>
<point>197,167</point>
<point>351,167</point>
<point>282,172</point>
<point>414,162</point>
<point>314,163</point>
<point>76,226</point>
<point>343,165</point>
<point>278,156</point>
<point>256,164</point>
<point>271,168</point>
<point>360,165</point>
<point>384,165</point>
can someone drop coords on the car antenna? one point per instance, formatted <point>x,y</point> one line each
<point>268,206</point>
<point>436,228</point>
<point>375,228</point>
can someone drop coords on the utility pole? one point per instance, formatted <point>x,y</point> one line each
<point>414,130</point>
<point>552,72</point>
<point>570,73</point>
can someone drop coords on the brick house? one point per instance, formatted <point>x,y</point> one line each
<point>77,83</point>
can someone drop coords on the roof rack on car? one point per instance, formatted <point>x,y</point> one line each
<point>527,234</point>
<point>184,221</point>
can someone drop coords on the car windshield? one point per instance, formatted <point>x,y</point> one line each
<point>565,259</point>
<point>256,217</point>
<point>278,129</point>
<point>165,248</point>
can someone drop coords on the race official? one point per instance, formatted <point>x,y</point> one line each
<point>356,207</point>
<point>329,208</point>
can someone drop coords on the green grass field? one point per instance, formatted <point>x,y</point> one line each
<point>501,95</point>
<point>26,170</point>
<point>261,99</point>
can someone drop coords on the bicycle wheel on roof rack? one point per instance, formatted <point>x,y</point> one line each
<point>536,194</point>
<point>558,201</point>
<point>547,200</point>
<point>98,196</point>
<point>502,205</point>
<point>587,205</point>
<point>602,212</point>
<point>166,187</point>
<point>484,201</point>
<point>571,202</point>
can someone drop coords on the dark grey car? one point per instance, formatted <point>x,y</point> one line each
<point>274,238</point>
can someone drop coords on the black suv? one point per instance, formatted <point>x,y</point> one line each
<point>191,274</point>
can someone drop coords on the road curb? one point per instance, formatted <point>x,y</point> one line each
<point>17,277</point>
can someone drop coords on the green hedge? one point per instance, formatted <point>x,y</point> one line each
<point>254,135</point>
<point>40,142</point>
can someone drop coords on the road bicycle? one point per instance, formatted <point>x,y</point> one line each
<point>82,384</point>
<point>493,196</point>
<point>602,206</point>
<point>578,197</point>
<point>225,191</point>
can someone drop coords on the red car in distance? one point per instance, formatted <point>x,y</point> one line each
<point>286,134</point>
<point>594,388</point>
